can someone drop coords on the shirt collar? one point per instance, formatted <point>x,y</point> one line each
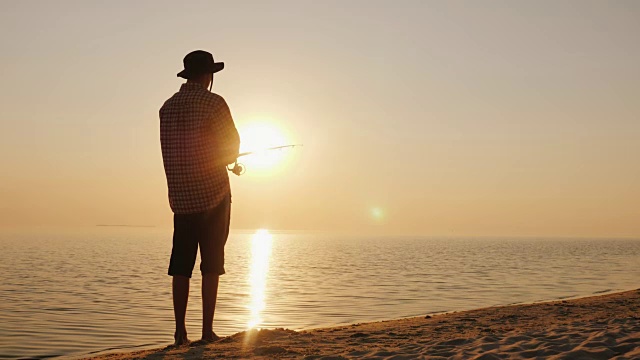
<point>191,87</point>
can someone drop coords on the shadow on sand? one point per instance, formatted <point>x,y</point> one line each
<point>252,343</point>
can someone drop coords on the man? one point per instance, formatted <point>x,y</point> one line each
<point>198,138</point>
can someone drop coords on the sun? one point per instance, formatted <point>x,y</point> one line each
<point>257,136</point>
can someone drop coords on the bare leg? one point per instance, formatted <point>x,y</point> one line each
<point>209,296</point>
<point>180,299</point>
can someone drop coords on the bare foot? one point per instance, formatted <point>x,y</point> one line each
<point>180,338</point>
<point>206,339</point>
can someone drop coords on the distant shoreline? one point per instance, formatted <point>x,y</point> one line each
<point>595,327</point>
<point>123,225</point>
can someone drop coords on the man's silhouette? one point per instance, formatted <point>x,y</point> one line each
<point>199,139</point>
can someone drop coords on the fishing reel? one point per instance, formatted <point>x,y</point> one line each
<point>237,168</point>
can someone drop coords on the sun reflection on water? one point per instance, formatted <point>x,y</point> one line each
<point>260,254</point>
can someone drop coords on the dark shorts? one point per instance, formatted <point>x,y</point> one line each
<point>209,230</point>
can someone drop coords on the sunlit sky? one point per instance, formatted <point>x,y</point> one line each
<point>417,117</point>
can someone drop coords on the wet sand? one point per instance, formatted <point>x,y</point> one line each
<point>597,327</point>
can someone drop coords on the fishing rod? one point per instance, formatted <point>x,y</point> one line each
<point>239,169</point>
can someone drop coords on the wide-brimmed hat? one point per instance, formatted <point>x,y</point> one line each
<point>199,62</point>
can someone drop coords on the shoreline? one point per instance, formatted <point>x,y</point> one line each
<point>603,326</point>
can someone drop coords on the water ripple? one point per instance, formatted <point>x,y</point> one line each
<point>77,293</point>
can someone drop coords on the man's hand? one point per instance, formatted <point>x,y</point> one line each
<point>228,157</point>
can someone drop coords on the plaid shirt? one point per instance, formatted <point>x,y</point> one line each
<point>198,139</point>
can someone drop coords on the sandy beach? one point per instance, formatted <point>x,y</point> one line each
<point>597,327</point>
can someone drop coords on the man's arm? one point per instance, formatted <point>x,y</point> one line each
<point>229,139</point>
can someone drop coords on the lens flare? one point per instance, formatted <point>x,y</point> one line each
<point>377,213</point>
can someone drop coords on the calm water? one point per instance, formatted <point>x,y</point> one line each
<point>104,289</point>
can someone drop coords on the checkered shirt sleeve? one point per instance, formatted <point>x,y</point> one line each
<point>198,138</point>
